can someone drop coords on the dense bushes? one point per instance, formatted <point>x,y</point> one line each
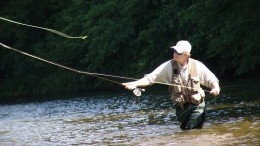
<point>127,38</point>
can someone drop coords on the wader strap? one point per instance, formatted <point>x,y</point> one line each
<point>175,67</point>
<point>192,68</point>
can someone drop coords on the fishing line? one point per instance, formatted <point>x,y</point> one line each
<point>47,29</point>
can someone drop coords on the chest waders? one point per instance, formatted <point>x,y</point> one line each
<point>188,96</point>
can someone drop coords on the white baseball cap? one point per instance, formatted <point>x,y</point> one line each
<point>182,47</point>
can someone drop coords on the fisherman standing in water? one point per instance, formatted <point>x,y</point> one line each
<point>186,75</point>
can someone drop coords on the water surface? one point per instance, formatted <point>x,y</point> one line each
<point>121,119</point>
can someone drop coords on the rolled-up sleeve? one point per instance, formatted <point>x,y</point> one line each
<point>207,78</point>
<point>160,74</point>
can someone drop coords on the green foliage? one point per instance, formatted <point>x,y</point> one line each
<point>227,32</point>
<point>126,38</point>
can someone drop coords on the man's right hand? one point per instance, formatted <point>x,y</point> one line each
<point>129,85</point>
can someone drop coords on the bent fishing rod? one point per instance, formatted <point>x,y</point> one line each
<point>137,91</point>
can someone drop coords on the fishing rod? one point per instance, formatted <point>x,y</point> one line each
<point>136,91</point>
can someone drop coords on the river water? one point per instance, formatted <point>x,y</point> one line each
<point>233,118</point>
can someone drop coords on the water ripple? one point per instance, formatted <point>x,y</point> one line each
<point>121,119</point>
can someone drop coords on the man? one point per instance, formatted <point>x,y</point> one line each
<point>185,76</point>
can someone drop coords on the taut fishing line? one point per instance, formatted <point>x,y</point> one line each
<point>47,29</point>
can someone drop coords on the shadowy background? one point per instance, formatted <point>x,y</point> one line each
<point>125,38</point>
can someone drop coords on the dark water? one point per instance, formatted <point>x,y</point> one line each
<point>233,118</point>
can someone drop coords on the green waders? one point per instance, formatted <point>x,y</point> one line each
<point>192,116</point>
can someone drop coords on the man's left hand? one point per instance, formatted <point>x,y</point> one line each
<point>215,91</point>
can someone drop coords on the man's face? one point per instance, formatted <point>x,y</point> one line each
<point>180,57</point>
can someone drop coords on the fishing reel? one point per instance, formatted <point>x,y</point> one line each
<point>138,91</point>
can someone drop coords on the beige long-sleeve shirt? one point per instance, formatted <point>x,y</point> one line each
<point>163,74</point>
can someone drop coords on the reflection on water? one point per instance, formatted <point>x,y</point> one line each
<point>124,120</point>
<point>234,132</point>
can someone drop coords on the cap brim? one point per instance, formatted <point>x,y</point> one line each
<point>175,48</point>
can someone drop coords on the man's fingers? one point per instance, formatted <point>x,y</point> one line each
<point>129,86</point>
<point>215,92</point>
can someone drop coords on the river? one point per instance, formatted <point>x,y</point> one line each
<point>120,118</point>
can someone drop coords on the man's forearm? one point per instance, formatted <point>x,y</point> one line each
<point>141,83</point>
